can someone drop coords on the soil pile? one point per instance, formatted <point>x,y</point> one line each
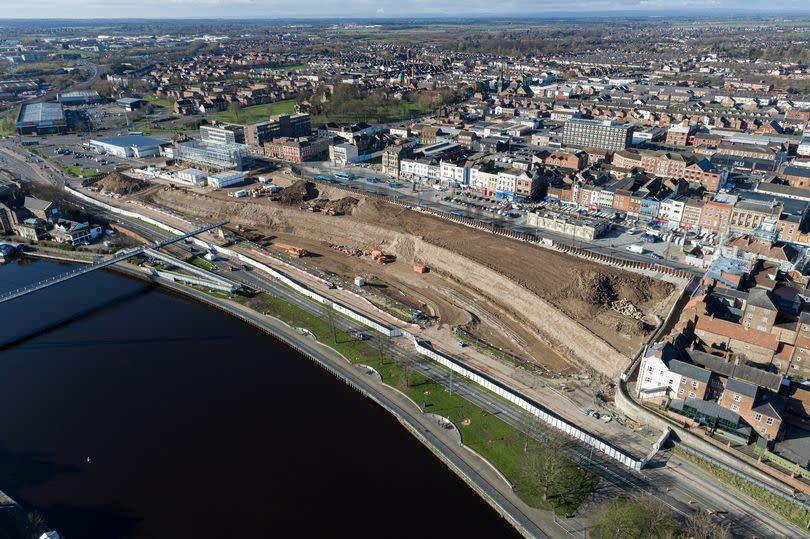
<point>118,184</point>
<point>300,191</point>
<point>341,206</point>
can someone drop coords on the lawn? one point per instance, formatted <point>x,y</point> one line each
<point>788,510</point>
<point>256,113</point>
<point>199,262</point>
<point>159,101</point>
<point>498,442</point>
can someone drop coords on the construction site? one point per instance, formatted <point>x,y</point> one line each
<point>561,313</point>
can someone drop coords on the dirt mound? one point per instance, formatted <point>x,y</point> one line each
<point>118,184</point>
<point>592,291</point>
<point>340,206</point>
<point>300,191</point>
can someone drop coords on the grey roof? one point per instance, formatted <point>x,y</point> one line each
<point>41,112</point>
<point>128,141</point>
<point>691,371</point>
<point>743,388</point>
<point>129,100</point>
<point>36,204</point>
<point>749,374</point>
<point>708,408</point>
<point>759,298</point>
<point>771,405</point>
<point>803,172</point>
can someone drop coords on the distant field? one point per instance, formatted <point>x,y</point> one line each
<point>159,101</point>
<point>256,113</point>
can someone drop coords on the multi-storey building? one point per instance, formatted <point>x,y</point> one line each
<point>601,134</point>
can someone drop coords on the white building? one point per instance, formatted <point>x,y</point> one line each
<point>191,176</point>
<point>482,180</point>
<point>452,172</point>
<point>343,154</point>
<point>129,146</point>
<point>671,211</point>
<point>804,147</point>
<point>655,380</point>
<point>419,169</point>
<point>225,179</point>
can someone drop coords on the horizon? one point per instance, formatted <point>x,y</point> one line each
<point>386,10</point>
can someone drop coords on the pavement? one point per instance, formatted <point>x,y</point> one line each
<point>677,483</point>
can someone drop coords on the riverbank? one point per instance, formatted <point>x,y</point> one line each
<point>473,469</point>
<point>466,464</point>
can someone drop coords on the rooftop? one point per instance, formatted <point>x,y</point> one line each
<point>41,112</point>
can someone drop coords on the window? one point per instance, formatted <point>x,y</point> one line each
<point>680,391</point>
<point>691,395</point>
<point>649,369</point>
<point>648,379</point>
<point>670,382</point>
<point>683,381</point>
<point>734,408</point>
<point>769,421</point>
<point>758,417</point>
<point>694,385</point>
<point>737,398</point>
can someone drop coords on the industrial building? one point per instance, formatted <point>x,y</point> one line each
<point>79,98</point>
<point>41,119</point>
<point>214,156</point>
<point>191,176</point>
<point>222,134</point>
<point>226,179</point>
<point>129,146</point>
<point>600,134</point>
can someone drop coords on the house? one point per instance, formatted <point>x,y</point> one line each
<point>41,209</point>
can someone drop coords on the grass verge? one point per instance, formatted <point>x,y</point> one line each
<point>786,509</point>
<point>498,442</point>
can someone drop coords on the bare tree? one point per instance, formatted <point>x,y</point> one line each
<point>701,525</point>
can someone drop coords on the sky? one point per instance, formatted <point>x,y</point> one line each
<point>274,9</point>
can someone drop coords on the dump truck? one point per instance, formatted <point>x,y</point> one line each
<point>290,249</point>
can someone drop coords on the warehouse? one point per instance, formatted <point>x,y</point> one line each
<point>129,146</point>
<point>225,179</point>
<point>191,176</point>
<point>79,98</point>
<point>41,119</point>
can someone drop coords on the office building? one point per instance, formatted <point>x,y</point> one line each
<point>604,135</point>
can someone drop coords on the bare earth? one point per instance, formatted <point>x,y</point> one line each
<point>564,313</point>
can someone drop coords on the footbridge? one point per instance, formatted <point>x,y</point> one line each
<point>128,253</point>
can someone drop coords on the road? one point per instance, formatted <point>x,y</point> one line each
<point>677,483</point>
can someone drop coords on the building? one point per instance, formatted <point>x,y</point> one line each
<point>129,146</point>
<point>41,209</point>
<point>75,233</point>
<point>131,104</point>
<point>343,154</point>
<point>601,134</point>
<point>298,150</point>
<point>191,176</point>
<point>679,134</point>
<point>213,156</point>
<point>391,158</point>
<point>284,125</point>
<point>225,179</point>
<point>79,98</point>
<point>41,119</point>
<point>222,134</point>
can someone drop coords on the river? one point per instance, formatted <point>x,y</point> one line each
<point>196,425</point>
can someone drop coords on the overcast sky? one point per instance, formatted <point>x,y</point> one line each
<point>87,9</point>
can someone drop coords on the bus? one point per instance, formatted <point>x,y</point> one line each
<point>344,176</point>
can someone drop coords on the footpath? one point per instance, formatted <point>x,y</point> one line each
<point>478,473</point>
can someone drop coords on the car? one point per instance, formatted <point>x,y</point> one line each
<point>360,336</point>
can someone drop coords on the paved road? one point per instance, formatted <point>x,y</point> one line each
<point>677,483</point>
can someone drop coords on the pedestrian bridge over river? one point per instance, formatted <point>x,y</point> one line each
<point>129,253</point>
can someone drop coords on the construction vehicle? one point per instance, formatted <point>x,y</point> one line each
<point>419,268</point>
<point>380,257</point>
<point>290,249</point>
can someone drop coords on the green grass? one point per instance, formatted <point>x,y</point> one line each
<point>391,113</point>
<point>256,113</point>
<point>786,509</point>
<point>485,433</point>
<point>199,262</point>
<point>74,170</point>
<point>159,101</point>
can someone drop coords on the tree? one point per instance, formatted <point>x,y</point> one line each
<point>634,518</point>
<point>702,526</point>
<point>546,474</point>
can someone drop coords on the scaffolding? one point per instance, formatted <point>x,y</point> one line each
<point>214,156</point>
